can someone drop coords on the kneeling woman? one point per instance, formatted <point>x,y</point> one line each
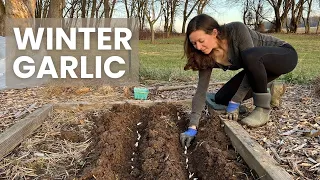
<point>233,46</point>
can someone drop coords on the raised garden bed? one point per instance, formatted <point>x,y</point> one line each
<point>130,142</point>
<point>125,142</point>
<point>56,149</point>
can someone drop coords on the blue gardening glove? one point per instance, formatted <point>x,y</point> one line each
<point>187,137</point>
<point>233,111</point>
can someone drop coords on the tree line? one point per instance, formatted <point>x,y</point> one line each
<point>285,13</point>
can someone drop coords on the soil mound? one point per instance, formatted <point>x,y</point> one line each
<point>131,142</point>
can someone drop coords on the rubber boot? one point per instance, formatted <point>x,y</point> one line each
<point>210,101</point>
<point>261,114</point>
<point>277,89</point>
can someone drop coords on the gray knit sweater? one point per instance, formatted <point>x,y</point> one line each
<point>240,39</point>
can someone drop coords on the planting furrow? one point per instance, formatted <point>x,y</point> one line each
<point>132,142</point>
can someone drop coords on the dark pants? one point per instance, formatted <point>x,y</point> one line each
<point>262,65</point>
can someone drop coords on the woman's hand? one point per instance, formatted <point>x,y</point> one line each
<point>233,111</point>
<point>187,136</point>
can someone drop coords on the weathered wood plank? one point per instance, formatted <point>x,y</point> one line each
<point>253,153</point>
<point>13,136</point>
<point>143,103</point>
<point>171,88</point>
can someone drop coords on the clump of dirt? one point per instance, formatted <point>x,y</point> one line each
<point>72,136</point>
<point>131,142</point>
<point>213,156</point>
<point>71,132</point>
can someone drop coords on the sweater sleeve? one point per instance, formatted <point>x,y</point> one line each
<point>244,41</point>
<point>198,100</point>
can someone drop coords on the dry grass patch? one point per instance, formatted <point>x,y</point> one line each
<point>52,151</point>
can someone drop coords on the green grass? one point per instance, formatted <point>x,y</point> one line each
<point>308,48</point>
<point>163,61</point>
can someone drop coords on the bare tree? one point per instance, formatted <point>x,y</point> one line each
<point>253,14</point>
<point>318,25</point>
<point>307,19</point>
<point>296,14</point>
<point>84,12</point>
<point>39,8</point>
<point>2,9</point>
<point>45,9</point>
<point>285,10</point>
<point>201,5</point>
<point>130,7</point>
<point>98,8</point>
<point>20,9</point>
<point>93,12</point>
<point>140,13</point>
<point>42,7</point>
<point>2,17</point>
<point>16,9</point>
<point>187,13</point>
<point>166,13</point>
<point>151,16</point>
<point>71,10</point>
<point>173,10</point>
<point>279,18</point>
<point>169,11</point>
<point>245,12</point>
<point>109,8</point>
<point>258,8</point>
<point>83,8</point>
<point>56,8</point>
<point>41,11</point>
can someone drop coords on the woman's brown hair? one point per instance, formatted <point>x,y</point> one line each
<point>197,60</point>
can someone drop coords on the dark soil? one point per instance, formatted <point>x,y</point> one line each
<point>159,155</point>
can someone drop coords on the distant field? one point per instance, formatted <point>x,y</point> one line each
<point>303,29</point>
<point>163,60</point>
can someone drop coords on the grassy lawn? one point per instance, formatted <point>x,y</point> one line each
<point>163,60</point>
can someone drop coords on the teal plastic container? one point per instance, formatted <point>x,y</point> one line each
<point>141,93</point>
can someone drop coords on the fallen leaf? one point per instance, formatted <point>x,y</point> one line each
<point>82,90</point>
<point>81,121</point>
